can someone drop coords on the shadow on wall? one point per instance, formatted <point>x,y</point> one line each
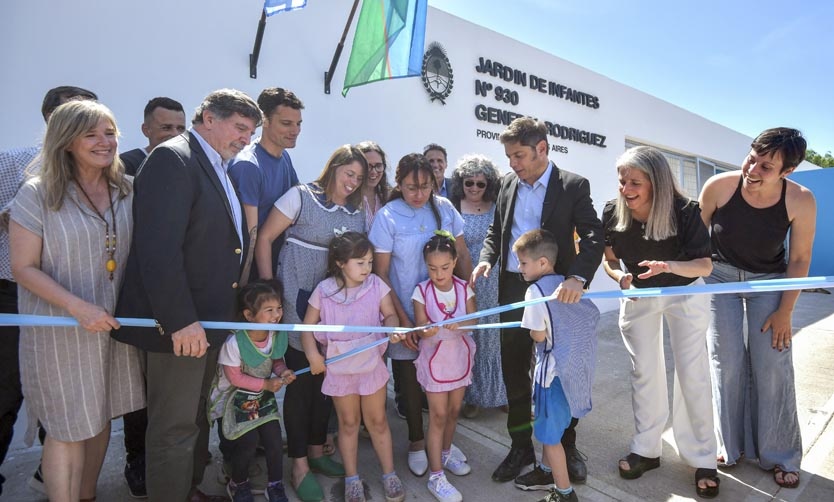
<point>821,183</point>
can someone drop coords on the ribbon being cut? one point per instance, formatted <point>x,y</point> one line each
<point>705,289</point>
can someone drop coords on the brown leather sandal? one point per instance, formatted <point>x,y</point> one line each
<point>777,471</point>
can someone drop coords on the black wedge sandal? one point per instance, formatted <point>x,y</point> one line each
<point>637,465</point>
<point>707,492</point>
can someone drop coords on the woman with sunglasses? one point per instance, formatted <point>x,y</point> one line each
<point>474,188</point>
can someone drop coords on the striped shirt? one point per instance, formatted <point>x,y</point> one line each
<point>570,345</point>
<point>12,171</point>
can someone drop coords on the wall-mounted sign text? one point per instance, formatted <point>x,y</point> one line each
<point>505,94</point>
<point>542,85</point>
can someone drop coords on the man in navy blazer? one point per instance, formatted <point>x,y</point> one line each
<point>184,266</point>
<point>537,194</point>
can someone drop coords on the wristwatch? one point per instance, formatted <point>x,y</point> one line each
<point>580,279</point>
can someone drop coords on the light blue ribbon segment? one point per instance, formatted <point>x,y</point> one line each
<point>41,320</point>
<point>357,350</point>
<point>45,320</point>
<point>701,289</point>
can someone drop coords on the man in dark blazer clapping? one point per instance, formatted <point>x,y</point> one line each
<point>184,266</point>
<point>537,194</point>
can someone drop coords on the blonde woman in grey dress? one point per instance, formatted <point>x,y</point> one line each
<point>70,231</point>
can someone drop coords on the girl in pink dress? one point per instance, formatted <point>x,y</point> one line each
<point>444,366</point>
<point>353,296</point>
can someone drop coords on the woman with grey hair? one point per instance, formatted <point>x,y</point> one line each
<point>658,234</point>
<point>474,187</point>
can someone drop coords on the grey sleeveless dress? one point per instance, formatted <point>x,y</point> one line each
<point>302,263</point>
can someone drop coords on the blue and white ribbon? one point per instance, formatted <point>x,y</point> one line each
<point>45,320</point>
<point>703,289</point>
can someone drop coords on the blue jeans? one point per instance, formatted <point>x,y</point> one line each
<point>753,383</point>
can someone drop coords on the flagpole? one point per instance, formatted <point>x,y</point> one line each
<point>256,51</point>
<point>328,75</point>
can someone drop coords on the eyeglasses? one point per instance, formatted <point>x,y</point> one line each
<point>377,167</point>
<point>470,183</point>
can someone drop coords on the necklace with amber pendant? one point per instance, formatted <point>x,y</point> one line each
<point>109,239</point>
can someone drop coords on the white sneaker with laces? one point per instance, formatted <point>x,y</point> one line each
<point>454,465</point>
<point>418,463</point>
<point>442,490</point>
<point>457,453</point>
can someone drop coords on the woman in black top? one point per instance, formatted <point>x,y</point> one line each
<point>659,236</point>
<point>749,213</point>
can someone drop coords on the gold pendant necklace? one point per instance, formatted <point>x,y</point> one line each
<point>109,240</point>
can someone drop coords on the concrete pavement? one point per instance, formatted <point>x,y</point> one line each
<point>603,436</point>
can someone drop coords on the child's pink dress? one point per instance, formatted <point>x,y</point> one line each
<point>364,373</point>
<point>446,359</point>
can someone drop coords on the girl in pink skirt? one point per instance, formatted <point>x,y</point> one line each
<point>353,296</point>
<point>444,366</point>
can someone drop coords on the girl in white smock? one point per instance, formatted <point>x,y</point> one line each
<point>447,353</point>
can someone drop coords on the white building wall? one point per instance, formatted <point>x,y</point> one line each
<point>128,52</point>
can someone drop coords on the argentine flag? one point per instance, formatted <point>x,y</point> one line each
<point>275,6</point>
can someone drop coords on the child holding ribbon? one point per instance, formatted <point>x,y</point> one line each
<point>444,366</point>
<point>399,232</point>
<point>353,296</point>
<point>565,342</point>
<point>243,392</point>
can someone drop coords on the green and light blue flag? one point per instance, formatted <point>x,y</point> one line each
<point>388,43</point>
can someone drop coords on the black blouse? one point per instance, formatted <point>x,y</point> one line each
<point>630,246</point>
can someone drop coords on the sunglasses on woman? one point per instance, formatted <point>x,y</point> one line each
<point>470,183</point>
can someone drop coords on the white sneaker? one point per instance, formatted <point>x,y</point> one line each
<point>455,451</point>
<point>418,463</point>
<point>457,467</point>
<point>442,490</point>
